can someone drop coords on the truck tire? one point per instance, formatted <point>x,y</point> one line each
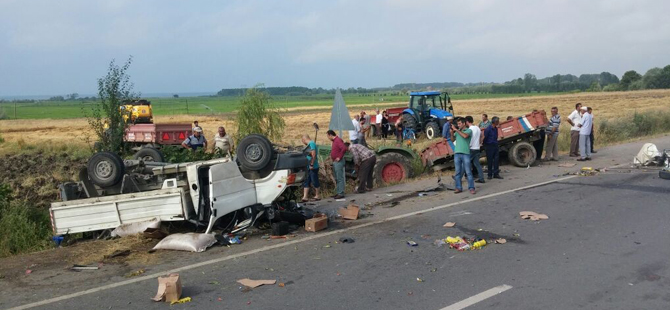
<point>149,154</point>
<point>663,174</point>
<point>391,168</point>
<point>432,130</point>
<point>522,154</point>
<point>254,152</point>
<point>408,121</point>
<point>105,169</point>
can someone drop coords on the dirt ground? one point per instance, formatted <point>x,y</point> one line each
<point>299,120</point>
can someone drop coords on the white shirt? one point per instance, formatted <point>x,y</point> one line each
<point>353,134</point>
<point>223,143</point>
<point>379,118</point>
<point>587,124</point>
<point>476,135</point>
<point>576,119</point>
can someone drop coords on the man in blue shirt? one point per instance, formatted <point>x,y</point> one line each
<point>492,151</point>
<point>446,132</point>
<point>195,141</point>
<point>312,177</point>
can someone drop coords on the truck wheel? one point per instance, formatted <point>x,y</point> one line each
<point>664,174</point>
<point>522,154</point>
<point>254,152</point>
<point>432,130</point>
<point>105,169</point>
<point>408,121</point>
<point>392,168</point>
<point>149,154</point>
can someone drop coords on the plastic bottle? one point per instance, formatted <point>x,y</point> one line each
<point>479,244</point>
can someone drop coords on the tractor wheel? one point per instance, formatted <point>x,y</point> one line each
<point>149,154</point>
<point>105,169</point>
<point>255,152</point>
<point>432,130</point>
<point>392,168</point>
<point>522,154</point>
<point>408,121</point>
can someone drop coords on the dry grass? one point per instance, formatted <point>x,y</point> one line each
<point>610,105</point>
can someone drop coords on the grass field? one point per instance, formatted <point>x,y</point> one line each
<point>210,105</point>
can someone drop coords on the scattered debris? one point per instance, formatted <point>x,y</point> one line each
<point>530,215</point>
<point>280,229</point>
<point>326,246</point>
<point>501,241</point>
<point>479,244</point>
<point>181,301</point>
<point>350,212</point>
<point>118,253</point>
<point>587,171</point>
<point>340,200</point>
<point>154,233</point>
<point>567,165</point>
<point>419,280</point>
<point>169,288</point>
<point>347,240</point>
<point>282,285</point>
<point>463,244</point>
<point>82,267</point>
<point>191,242</point>
<point>29,271</point>
<point>255,283</point>
<point>135,273</point>
<point>449,224</point>
<point>412,243</point>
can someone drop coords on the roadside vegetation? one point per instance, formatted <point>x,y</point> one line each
<point>23,228</point>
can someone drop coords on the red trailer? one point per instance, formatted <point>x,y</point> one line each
<point>146,139</point>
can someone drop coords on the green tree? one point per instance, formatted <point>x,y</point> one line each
<point>257,114</point>
<point>556,80</point>
<point>628,78</point>
<point>107,118</point>
<point>595,87</point>
<point>529,82</point>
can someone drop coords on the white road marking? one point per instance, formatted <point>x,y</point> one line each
<point>276,246</point>
<point>479,297</point>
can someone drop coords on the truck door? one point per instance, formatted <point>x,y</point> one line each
<point>229,191</point>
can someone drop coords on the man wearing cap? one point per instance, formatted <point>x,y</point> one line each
<point>446,132</point>
<point>575,119</point>
<point>196,140</point>
<point>490,142</point>
<point>585,135</point>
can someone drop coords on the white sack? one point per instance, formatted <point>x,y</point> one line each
<point>191,242</point>
<point>646,154</point>
<point>135,228</point>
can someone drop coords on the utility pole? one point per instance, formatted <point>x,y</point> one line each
<point>186,106</point>
<point>14,109</point>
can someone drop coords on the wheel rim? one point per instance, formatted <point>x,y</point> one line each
<point>430,133</point>
<point>103,169</point>
<point>253,152</point>
<point>393,172</point>
<point>147,158</point>
<point>524,155</point>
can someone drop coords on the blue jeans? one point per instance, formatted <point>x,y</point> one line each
<point>462,162</point>
<point>338,169</point>
<point>474,158</point>
<point>312,178</point>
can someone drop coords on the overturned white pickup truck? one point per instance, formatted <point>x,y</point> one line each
<point>231,193</point>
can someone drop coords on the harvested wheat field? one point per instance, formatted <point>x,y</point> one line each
<point>606,105</point>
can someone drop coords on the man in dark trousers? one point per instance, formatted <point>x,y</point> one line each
<point>364,161</point>
<point>337,155</point>
<point>490,140</point>
<point>592,129</point>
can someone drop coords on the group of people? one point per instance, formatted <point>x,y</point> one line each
<point>223,143</point>
<point>363,124</point>
<point>581,132</point>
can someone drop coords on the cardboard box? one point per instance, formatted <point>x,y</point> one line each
<point>169,288</point>
<point>316,223</point>
<point>350,212</point>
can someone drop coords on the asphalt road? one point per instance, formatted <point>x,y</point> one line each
<point>604,246</point>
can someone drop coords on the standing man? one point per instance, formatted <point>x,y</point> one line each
<point>585,135</point>
<point>593,128</point>
<point>552,135</point>
<point>398,129</point>
<point>337,155</point>
<point>222,142</point>
<point>312,170</point>
<point>195,124</point>
<point>378,123</point>
<point>366,129</point>
<point>490,141</point>
<point>195,141</point>
<point>446,132</point>
<point>475,144</point>
<point>462,136</point>
<point>362,134</point>
<point>575,120</point>
<point>485,123</point>
<point>354,134</point>
<point>364,161</point>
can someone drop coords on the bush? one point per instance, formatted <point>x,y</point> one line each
<point>258,115</point>
<point>177,154</point>
<point>22,228</point>
<point>639,125</point>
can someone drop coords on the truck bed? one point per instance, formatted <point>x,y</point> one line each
<point>166,134</point>
<point>109,212</point>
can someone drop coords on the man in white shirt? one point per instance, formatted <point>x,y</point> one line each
<point>585,135</point>
<point>475,147</point>
<point>378,123</point>
<point>354,134</point>
<point>575,120</point>
<point>222,142</point>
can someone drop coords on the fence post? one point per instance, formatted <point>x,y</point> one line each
<point>14,109</point>
<point>186,106</point>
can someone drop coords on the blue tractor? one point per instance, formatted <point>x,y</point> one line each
<point>427,112</point>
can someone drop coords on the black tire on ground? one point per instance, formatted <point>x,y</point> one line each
<point>391,167</point>
<point>254,152</point>
<point>105,169</point>
<point>432,130</point>
<point>409,121</point>
<point>522,154</point>
<point>149,154</point>
<point>664,174</point>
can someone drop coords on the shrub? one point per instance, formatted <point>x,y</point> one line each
<point>258,115</point>
<point>639,125</point>
<point>22,228</point>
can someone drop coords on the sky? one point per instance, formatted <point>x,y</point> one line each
<point>59,47</point>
